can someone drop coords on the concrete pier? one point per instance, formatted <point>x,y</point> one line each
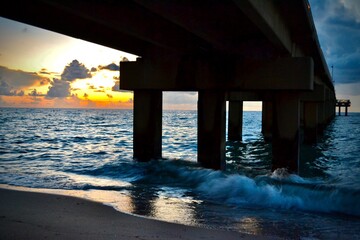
<point>235,120</point>
<point>267,120</point>
<point>147,125</point>
<point>211,129</point>
<point>311,122</point>
<point>313,113</point>
<point>257,50</point>
<point>286,126</point>
<point>343,103</point>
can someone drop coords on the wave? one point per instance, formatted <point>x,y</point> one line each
<point>276,190</point>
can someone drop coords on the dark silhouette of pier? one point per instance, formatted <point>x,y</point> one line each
<point>343,103</point>
<point>226,50</point>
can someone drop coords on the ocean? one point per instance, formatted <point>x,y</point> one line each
<point>88,153</point>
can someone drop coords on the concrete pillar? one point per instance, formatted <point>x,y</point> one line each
<point>235,120</point>
<point>286,141</point>
<point>339,110</point>
<point>147,124</point>
<point>267,120</point>
<point>310,122</point>
<point>346,110</point>
<point>333,108</point>
<point>321,117</point>
<point>211,129</point>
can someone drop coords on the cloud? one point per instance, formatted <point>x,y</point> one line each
<point>116,87</point>
<point>44,71</point>
<point>350,89</point>
<point>35,93</point>
<point>338,27</point>
<point>75,70</point>
<point>111,67</point>
<point>353,8</point>
<point>99,90</point>
<point>180,97</point>
<point>7,90</point>
<point>58,89</point>
<point>20,79</point>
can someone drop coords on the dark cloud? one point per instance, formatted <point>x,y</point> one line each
<point>86,95</point>
<point>44,81</point>
<point>111,67</point>
<point>338,27</point>
<point>7,90</point>
<point>59,89</point>
<point>75,70</point>
<point>109,95</point>
<point>116,87</point>
<point>19,79</point>
<point>44,71</point>
<point>35,93</point>
<point>93,69</point>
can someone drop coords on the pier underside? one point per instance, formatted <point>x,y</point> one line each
<point>228,50</point>
<point>288,106</point>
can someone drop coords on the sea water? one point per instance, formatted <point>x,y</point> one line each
<point>90,152</point>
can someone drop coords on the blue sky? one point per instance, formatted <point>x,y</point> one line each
<point>338,26</point>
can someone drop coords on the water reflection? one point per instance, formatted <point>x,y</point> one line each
<point>168,204</point>
<point>249,158</point>
<point>250,225</point>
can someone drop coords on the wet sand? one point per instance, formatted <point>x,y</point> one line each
<point>32,215</point>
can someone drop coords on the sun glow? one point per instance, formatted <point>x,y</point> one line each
<point>101,87</point>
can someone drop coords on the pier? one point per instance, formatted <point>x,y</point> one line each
<point>343,103</point>
<point>228,50</point>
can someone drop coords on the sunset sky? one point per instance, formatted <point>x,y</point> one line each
<point>39,68</point>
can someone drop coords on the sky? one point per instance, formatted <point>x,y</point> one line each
<point>40,68</point>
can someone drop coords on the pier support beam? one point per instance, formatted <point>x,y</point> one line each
<point>211,129</point>
<point>267,120</point>
<point>235,120</point>
<point>147,124</point>
<point>311,122</point>
<point>286,140</point>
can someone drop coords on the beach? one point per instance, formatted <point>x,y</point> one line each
<point>32,215</point>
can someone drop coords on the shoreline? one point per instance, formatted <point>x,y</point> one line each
<point>39,215</point>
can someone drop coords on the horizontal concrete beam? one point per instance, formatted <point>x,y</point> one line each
<point>317,95</point>
<point>280,74</point>
<point>244,96</point>
<point>193,74</point>
<point>267,17</point>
